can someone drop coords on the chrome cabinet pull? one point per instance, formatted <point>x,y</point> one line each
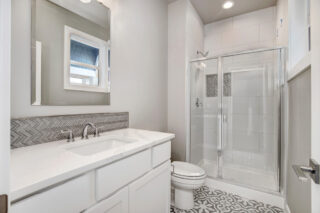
<point>313,170</point>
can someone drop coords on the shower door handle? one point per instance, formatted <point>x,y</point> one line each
<point>313,169</point>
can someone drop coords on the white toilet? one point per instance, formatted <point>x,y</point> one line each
<point>185,177</point>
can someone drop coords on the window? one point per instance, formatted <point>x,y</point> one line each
<point>84,64</point>
<point>87,62</point>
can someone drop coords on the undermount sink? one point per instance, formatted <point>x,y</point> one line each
<point>93,146</point>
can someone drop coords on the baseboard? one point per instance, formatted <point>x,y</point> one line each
<point>272,199</point>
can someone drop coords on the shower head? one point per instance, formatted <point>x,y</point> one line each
<point>202,54</point>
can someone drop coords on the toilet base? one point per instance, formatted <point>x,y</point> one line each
<point>183,199</point>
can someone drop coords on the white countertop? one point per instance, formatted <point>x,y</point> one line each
<point>36,167</point>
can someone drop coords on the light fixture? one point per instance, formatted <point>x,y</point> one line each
<point>227,4</point>
<point>85,1</point>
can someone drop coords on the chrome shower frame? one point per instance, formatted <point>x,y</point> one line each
<point>281,84</point>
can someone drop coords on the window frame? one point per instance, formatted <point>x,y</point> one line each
<point>103,65</point>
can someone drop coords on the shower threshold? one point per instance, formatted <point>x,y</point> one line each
<point>242,176</point>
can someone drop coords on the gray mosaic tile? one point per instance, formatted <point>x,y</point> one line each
<point>227,84</point>
<point>217,201</point>
<point>212,85</point>
<point>37,130</point>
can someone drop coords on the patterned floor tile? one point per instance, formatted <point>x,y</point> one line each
<point>216,201</point>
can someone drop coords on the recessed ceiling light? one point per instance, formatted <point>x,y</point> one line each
<point>228,4</point>
<point>85,1</point>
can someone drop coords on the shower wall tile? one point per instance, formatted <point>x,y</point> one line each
<point>268,106</point>
<point>243,37</point>
<point>267,31</point>
<point>245,123</point>
<point>211,136</point>
<point>227,35</point>
<point>267,145</point>
<point>242,158</point>
<point>210,152</point>
<point>227,84</point>
<point>212,85</point>
<point>246,85</point>
<point>211,121</point>
<point>246,142</point>
<point>246,105</point>
<point>197,134</point>
<point>227,156</point>
<point>197,153</point>
<point>37,130</point>
<point>211,106</point>
<point>259,161</point>
<point>268,124</point>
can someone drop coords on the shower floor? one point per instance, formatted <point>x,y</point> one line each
<point>243,176</point>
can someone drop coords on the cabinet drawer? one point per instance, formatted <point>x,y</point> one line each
<point>117,203</point>
<point>116,175</point>
<point>70,197</point>
<point>151,193</point>
<point>161,153</point>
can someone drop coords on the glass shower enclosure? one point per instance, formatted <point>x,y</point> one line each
<point>235,117</point>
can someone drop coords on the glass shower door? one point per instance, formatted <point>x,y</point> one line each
<point>205,115</point>
<point>251,115</point>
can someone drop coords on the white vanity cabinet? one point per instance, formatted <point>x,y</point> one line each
<point>118,174</point>
<point>117,203</point>
<point>151,192</point>
<point>138,183</point>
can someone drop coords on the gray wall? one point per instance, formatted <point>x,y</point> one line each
<point>299,149</point>
<point>48,28</point>
<point>138,64</point>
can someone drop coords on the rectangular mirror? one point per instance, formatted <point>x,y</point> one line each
<point>70,52</point>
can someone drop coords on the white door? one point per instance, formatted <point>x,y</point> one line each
<point>117,203</point>
<point>5,41</point>
<point>304,105</point>
<point>151,193</point>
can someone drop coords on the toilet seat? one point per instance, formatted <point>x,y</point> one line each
<point>187,171</point>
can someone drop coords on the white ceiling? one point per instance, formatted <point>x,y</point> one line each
<point>211,10</point>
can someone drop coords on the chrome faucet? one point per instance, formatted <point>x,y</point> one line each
<point>70,135</point>
<point>85,130</point>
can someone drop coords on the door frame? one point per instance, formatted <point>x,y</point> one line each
<point>315,97</point>
<point>5,66</point>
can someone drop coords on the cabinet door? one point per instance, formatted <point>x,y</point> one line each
<point>112,177</point>
<point>117,203</point>
<point>151,193</point>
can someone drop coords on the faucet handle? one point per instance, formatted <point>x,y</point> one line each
<point>97,132</point>
<point>70,136</point>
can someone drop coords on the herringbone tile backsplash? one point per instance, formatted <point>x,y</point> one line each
<point>37,130</point>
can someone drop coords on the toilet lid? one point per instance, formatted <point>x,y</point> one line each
<point>187,169</point>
